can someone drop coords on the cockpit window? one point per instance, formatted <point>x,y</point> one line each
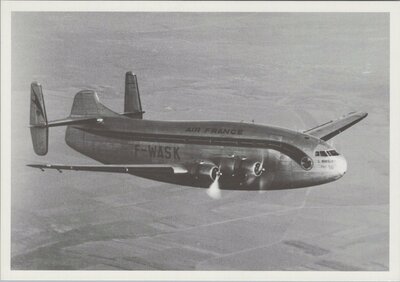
<point>326,153</point>
<point>334,153</point>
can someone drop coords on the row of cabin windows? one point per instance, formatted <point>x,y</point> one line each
<point>326,153</point>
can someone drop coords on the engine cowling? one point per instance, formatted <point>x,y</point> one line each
<point>249,171</point>
<point>251,168</point>
<point>232,171</point>
<point>205,171</point>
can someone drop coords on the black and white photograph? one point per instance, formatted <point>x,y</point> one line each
<point>199,141</point>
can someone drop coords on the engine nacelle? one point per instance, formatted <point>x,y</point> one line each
<point>249,171</point>
<point>205,171</point>
<point>251,168</point>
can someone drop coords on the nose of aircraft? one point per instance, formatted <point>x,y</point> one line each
<point>341,166</point>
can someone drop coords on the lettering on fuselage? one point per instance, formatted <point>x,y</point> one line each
<point>157,151</point>
<point>228,131</point>
<point>326,164</point>
<point>193,129</point>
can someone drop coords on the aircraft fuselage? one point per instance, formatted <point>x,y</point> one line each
<point>288,157</point>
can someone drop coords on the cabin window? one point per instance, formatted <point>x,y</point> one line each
<point>323,154</point>
<point>317,153</point>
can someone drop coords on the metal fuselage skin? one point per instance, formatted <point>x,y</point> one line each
<point>123,140</point>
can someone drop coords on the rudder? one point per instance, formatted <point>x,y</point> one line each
<point>38,120</point>
<point>132,104</point>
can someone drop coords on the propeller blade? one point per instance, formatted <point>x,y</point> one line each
<point>261,178</point>
<point>214,191</point>
<point>261,185</point>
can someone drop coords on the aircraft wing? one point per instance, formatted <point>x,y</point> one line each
<point>332,128</point>
<point>140,168</point>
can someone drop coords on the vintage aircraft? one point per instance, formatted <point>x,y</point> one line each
<point>209,154</point>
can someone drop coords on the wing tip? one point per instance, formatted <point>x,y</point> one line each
<point>38,166</point>
<point>361,115</point>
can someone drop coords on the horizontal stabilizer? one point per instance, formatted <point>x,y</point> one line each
<point>142,168</point>
<point>68,121</point>
<point>332,128</point>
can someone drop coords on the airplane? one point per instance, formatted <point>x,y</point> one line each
<point>216,155</point>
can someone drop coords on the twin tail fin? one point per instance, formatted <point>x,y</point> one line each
<point>86,109</point>
<point>38,120</point>
<point>132,105</point>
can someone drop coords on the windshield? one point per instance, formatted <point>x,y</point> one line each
<point>327,153</point>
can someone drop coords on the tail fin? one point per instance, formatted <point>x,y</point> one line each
<point>86,109</point>
<point>132,106</point>
<point>38,120</point>
<point>86,104</point>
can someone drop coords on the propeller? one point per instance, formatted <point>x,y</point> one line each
<point>261,178</point>
<point>261,186</point>
<point>213,191</point>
